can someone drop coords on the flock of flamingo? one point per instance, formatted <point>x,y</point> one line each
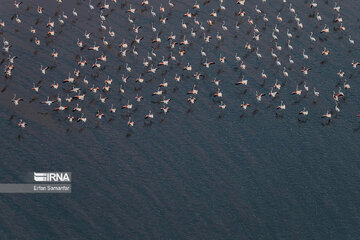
<point>70,91</point>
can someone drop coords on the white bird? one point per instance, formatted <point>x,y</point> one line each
<point>351,40</point>
<point>316,93</point>
<point>306,87</point>
<point>318,17</point>
<point>312,38</point>
<point>286,74</point>
<point>336,7</point>
<point>282,106</point>
<point>91,6</point>
<point>346,85</point>
<point>289,45</point>
<point>278,47</point>
<point>224,27</point>
<point>290,60</point>
<point>288,34</point>
<point>337,107</point>
<point>74,13</point>
<point>257,53</point>
<point>202,52</point>
<point>304,55</point>
<point>304,112</point>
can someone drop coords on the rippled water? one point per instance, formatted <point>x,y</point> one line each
<point>198,172</point>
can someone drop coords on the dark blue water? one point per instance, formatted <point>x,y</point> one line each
<point>198,172</point>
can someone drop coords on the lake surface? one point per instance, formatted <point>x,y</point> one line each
<point>198,172</point>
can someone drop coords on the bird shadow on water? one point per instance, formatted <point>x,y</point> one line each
<point>4,89</point>
<point>302,120</point>
<point>148,123</point>
<point>326,123</point>
<point>20,136</point>
<point>81,129</point>
<point>279,115</point>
